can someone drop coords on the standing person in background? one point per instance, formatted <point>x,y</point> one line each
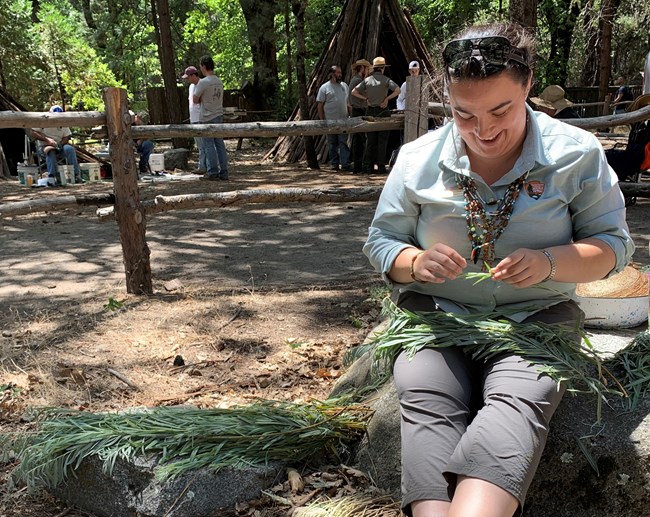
<point>332,104</point>
<point>375,90</point>
<point>623,95</point>
<point>414,71</point>
<point>521,196</point>
<point>357,108</point>
<point>54,143</point>
<point>191,76</point>
<point>208,92</point>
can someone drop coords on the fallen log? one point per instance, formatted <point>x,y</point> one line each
<point>30,119</point>
<point>240,197</point>
<point>55,203</point>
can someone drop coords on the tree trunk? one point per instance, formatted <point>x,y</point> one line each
<point>590,70</point>
<point>88,15</point>
<point>260,18</point>
<point>299,7</point>
<point>36,7</point>
<point>608,14</point>
<point>287,35</point>
<point>524,12</point>
<point>561,18</point>
<point>162,28</point>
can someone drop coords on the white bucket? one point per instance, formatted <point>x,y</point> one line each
<point>90,171</point>
<point>157,162</point>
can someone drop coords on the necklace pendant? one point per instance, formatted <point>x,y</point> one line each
<point>476,253</point>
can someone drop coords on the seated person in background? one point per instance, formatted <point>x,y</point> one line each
<point>53,144</point>
<point>553,102</point>
<point>142,147</point>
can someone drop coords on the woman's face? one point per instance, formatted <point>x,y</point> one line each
<point>490,115</point>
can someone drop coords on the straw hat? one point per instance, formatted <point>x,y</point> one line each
<point>629,283</point>
<point>362,62</point>
<point>552,98</point>
<point>640,102</point>
<point>379,62</point>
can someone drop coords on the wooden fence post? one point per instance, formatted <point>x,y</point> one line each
<point>416,121</point>
<point>129,212</point>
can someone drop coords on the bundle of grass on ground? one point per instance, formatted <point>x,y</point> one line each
<point>632,366</point>
<point>351,506</point>
<point>185,439</point>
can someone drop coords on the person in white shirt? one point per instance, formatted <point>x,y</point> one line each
<point>54,143</point>
<point>191,76</point>
<point>332,100</point>
<point>414,71</point>
<point>208,92</point>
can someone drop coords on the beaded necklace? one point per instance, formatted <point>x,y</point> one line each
<point>491,224</point>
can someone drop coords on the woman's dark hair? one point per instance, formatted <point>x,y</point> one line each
<point>473,68</point>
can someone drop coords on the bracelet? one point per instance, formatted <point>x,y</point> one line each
<point>413,265</point>
<point>551,259</point>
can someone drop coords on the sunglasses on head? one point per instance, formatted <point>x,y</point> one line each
<point>494,50</point>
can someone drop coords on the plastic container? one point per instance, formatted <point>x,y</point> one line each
<point>157,162</point>
<point>90,171</point>
<point>65,174</point>
<point>27,175</point>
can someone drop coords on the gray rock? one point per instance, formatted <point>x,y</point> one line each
<point>176,159</point>
<point>133,490</point>
<point>565,484</point>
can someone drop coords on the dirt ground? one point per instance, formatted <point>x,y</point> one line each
<point>252,301</point>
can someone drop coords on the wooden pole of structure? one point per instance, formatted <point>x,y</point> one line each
<point>129,212</point>
<point>416,120</point>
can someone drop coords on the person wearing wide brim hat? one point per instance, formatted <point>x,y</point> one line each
<point>553,102</point>
<point>358,106</point>
<point>377,90</point>
<point>379,62</point>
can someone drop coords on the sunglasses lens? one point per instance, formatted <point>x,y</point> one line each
<point>495,50</point>
<point>456,52</point>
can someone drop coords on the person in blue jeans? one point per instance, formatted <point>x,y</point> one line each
<point>208,93</point>
<point>332,104</point>
<point>143,147</point>
<point>53,144</point>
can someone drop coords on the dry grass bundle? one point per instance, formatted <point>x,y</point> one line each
<point>351,506</point>
<point>629,283</point>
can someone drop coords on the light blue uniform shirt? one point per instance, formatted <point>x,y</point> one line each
<point>570,194</point>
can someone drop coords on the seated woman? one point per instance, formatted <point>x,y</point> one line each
<point>519,194</point>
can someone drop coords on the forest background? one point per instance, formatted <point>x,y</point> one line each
<point>65,51</point>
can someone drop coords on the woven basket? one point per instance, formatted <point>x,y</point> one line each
<point>629,283</point>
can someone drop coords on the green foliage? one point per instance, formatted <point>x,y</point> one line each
<point>218,28</point>
<point>76,72</point>
<point>113,304</point>
<point>61,52</point>
<point>19,55</point>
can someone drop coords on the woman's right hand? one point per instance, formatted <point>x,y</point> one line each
<point>437,264</point>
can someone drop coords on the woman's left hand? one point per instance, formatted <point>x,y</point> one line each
<point>522,268</point>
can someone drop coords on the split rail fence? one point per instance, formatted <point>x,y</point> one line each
<point>130,212</point>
